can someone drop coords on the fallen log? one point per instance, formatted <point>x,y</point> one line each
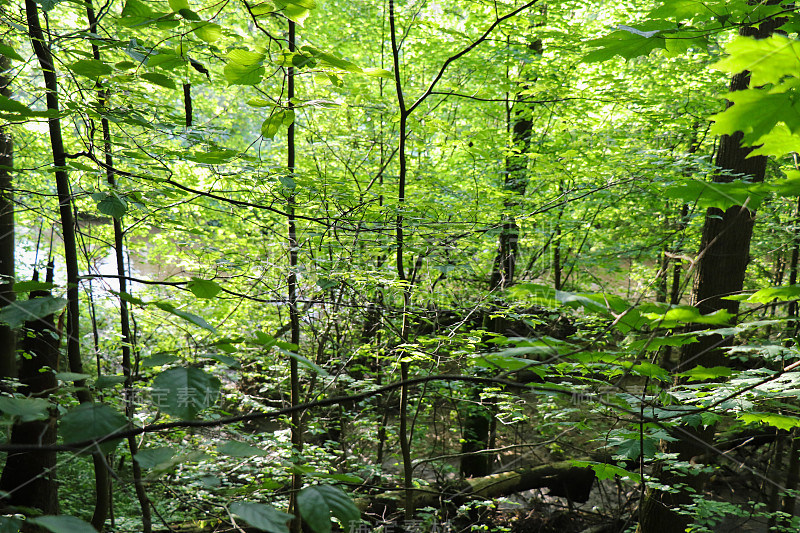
<point>561,478</point>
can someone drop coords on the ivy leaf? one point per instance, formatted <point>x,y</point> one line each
<point>17,313</point>
<point>92,421</point>
<point>317,503</point>
<point>62,524</point>
<point>262,516</point>
<point>184,392</point>
<point>203,288</point>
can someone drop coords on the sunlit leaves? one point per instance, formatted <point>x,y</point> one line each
<point>157,78</point>
<point>91,68</point>
<point>244,67</point>
<point>719,195</point>
<point>782,422</point>
<point>278,118</point>
<point>607,471</point>
<point>110,204</point>
<point>203,288</point>
<point>626,43</point>
<point>768,60</point>
<point>701,373</point>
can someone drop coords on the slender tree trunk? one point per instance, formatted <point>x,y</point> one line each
<point>45,59</point>
<point>8,349</point>
<point>724,254</point>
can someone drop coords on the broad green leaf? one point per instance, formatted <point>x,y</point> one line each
<point>768,60</point>
<point>273,123</point>
<point>755,112</point>
<point>625,44</point>
<point>90,421</point>
<point>318,502</point>
<point>177,5</point>
<point>184,392</point>
<point>686,314</point>
<point>719,195</point>
<point>12,106</point>
<point>224,359</point>
<point>655,343</point>
<point>72,376</point>
<point>784,293</point>
<point>159,79</point>
<point>10,525</point>
<point>9,52</point>
<point>778,142</point>
<point>105,382</point>
<point>91,68</point>
<point>188,14</point>
<point>332,60</point>
<point>296,13</point>
<point>650,370</point>
<point>153,457</point>
<point>110,204</point>
<point>305,362</point>
<point>607,471</point>
<point>25,409</point>
<point>208,31</point>
<point>233,448</point>
<point>28,286</point>
<point>701,373</point>
<point>632,448</point>
<point>159,359</point>
<point>203,288</point>
<point>17,313</point>
<point>262,516</point>
<point>189,317</point>
<point>62,524</point>
<point>779,421</point>
<point>244,67</point>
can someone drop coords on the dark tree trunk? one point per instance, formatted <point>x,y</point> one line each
<point>29,478</point>
<point>724,254</point>
<point>8,365</point>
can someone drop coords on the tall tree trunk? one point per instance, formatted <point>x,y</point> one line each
<point>8,349</point>
<point>724,254</point>
<point>29,478</point>
<point>47,66</point>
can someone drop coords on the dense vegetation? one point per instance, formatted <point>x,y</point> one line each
<point>294,265</point>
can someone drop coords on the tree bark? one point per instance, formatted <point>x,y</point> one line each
<point>8,349</point>
<point>724,255</point>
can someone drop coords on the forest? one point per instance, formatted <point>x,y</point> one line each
<point>420,266</point>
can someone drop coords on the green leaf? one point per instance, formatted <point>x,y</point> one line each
<point>91,68</point>
<point>225,360</point>
<point>785,293</point>
<point>203,288</point>
<point>184,392</point>
<point>305,362</point>
<point>9,52</point>
<point>177,5</point>
<point>72,376</point>
<point>189,317</point>
<point>159,359</point>
<point>26,409</point>
<point>105,382</point>
<point>17,313</point>
<point>12,106</point>
<point>607,471</point>
<point>768,60</point>
<point>317,503</point>
<point>779,421</point>
<point>755,112</point>
<point>62,524</point>
<point>28,286</point>
<point>10,525</point>
<point>153,457</point>
<point>332,60</point>
<point>208,31</point>
<point>233,448</point>
<point>701,373</point>
<point>719,195</point>
<point>244,67</point>
<point>632,448</point>
<point>159,79</point>
<point>188,14</point>
<point>624,43</point>
<point>262,516</point>
<point>686,314</point>
<point>110,204</point>
<point>278,118</point>
<point>90,421</point>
